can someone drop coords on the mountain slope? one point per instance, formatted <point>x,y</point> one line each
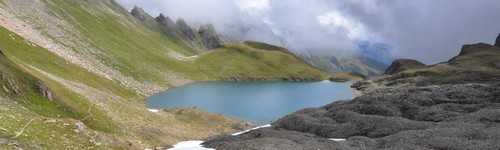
<point>100,63</point>
<point>360,65</point>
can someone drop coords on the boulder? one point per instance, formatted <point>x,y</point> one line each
<point>400,65</point>
<point>44,90</point>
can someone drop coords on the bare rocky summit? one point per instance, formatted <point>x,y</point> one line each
<point>209,37</point>
<point>497,42</point>
<point>140,14</point>
<point>452,105</point>
<point>204,38</point>
<point>400,65</point>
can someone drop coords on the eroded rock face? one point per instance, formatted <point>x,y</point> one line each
<point>167,25</point>
<point>186,30</point>
<point>204,38</point>
<point>44,90</point>
<point>209,37</point>
<point>400,65</point>
<point>497,42</point>
<point>139,13</point>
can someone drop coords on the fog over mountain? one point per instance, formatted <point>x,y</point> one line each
<point>428,30</point>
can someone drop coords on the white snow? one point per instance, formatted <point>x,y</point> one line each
<point>337,140</point>
<point>154,110</point>
<point>190,145</point>
<point>326,81</point>
<point>243,132</point>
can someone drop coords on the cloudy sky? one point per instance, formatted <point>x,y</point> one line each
<point>428,30</point>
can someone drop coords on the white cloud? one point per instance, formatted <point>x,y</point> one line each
<point>338,23</point>
<point>254,5</point>
<point>414,29</point>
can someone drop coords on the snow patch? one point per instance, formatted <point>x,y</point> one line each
<point>337,140</point>
<point>196,145</point>
<point>243,132</point>
<point>154,110</point>
<point>190,145</point>
<point>325,81</point>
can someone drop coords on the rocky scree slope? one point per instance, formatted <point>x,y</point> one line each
<point>451,105</point>
<point>96,64</point>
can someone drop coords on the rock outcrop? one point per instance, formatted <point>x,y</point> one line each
<point>451,105</point>
<point>140,14</point>
<point>209,37</point>
<point>205,37</point>
<point>167,25</point>
<point>44,90</point>
<point>400,65</point>
<point>497,42</point>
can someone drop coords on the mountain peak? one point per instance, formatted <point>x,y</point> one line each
<point>472,48</point>
<point>497,42</point>
<point>186,30</point>
<point>165,20</point>
<point>400,65</point>
<point>139,13</point>
<point>209,37</point>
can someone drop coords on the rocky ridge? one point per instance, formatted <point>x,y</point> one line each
<point>400,65</point>
<point>451,105</point>
<point>205,37</point>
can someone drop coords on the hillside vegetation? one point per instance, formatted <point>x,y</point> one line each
<point>75,75</point>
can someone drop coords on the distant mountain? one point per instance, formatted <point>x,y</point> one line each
<point>357,64</point>
<point>375,51</point>
<point>368,59</point>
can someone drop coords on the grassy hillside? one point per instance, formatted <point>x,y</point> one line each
<point>99,63</point>
<point>112,115</point>
<point>111,41</point>
<point>254,64</point>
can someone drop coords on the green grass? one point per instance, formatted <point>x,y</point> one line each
<point>264,46</point>
<point>142,53</point>
<point>69,104</point>
<point>21,87</point>
<point>235,60</point>
<point>131,48</point>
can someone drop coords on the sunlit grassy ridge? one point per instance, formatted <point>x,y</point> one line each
<point>249,63</point>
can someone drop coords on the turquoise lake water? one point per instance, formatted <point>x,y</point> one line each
<point>258,102</point>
